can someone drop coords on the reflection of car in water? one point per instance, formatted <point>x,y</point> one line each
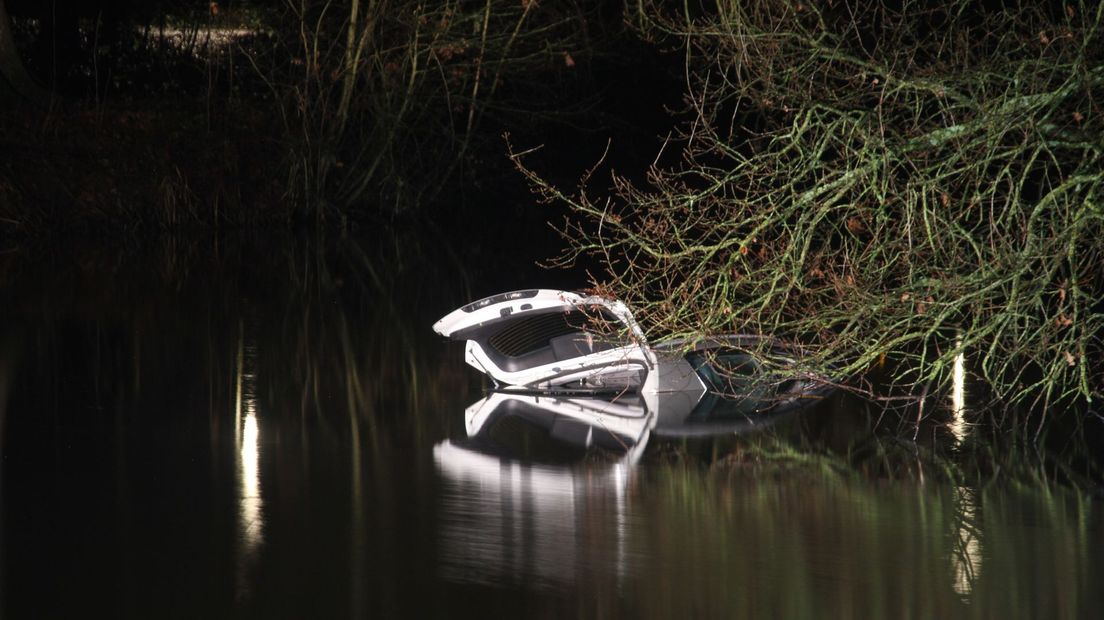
<point>528,422</point>
<point>526,496</point>
<point>556,340</point>
<point>565,429</point>
<point>538,491</point>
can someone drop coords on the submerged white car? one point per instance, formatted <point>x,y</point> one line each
<point>543,339</point>
<point>548,340</point>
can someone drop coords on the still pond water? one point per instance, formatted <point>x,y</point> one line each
<point>270,429</point>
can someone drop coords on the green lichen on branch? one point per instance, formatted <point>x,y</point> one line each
<point>872,181</point>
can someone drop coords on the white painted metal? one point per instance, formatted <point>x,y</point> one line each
<point>636,366</point>
<point>611,368</point>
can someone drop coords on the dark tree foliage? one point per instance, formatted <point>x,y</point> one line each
<point>906,179</point>
<point>385,100</point>
<point>15,83</point>
<point>367,106</point>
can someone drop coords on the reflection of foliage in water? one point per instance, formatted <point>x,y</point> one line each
<point>844,435</point>
<point>336,329</point>
<point>143,345</point>
<point>354,328</point>
<point>131,358</point>
<point>822,546</point>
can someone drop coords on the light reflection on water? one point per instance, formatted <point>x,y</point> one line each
<point>725,543</point>
<point>505,522</point>
<point>250,502</point>
<point>331,471</point>
<point>807,546</point>
<point>7,370</point>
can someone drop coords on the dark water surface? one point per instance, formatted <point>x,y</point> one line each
<point>269,428</point>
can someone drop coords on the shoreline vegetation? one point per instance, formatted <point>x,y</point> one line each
<point>129,168</point>
<point>295,114</point>
<point>906,190</point>
<point>900,187</point>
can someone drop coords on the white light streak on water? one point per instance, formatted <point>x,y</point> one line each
<point>252,523</point>
<point>247,434</point>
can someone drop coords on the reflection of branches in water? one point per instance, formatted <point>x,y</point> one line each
<point>817,544</point>
<point>967,553</point>
<point>356,325</point>
<point>341,324</point>
<point>8,349</point>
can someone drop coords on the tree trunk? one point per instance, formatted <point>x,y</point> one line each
<point>14,79</point>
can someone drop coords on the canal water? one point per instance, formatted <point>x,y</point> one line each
<point>269,428</point>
